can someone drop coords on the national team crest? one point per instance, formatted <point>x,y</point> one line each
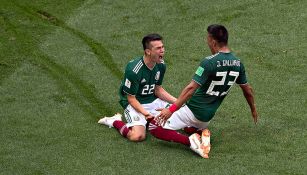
<point>157,75</point>
<point>136,118</point>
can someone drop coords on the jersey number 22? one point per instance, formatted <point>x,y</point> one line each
<point>148,89</point>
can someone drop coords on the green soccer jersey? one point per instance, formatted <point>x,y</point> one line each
<point>140,81</point>
<point>215,75</point>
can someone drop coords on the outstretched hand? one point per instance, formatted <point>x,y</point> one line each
<point>164,115</point>
<point>255,116</point>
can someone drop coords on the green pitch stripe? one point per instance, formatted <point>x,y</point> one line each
<point>80,93</point>
<point>102,54</point>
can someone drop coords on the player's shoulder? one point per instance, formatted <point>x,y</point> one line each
<point>161,66</point>
<point>135,65</point>
<point>209,59</point>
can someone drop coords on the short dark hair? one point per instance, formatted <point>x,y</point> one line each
<point>150,37</point>
<point>218,33</point>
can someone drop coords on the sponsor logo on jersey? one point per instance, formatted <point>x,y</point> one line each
<point>157,75</point>
<point>143,81</point>
<point>127,83</point>
<point>199,71</point>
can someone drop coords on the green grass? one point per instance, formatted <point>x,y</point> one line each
<point>61,63</point>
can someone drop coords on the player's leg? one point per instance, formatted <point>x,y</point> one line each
<point>194,141</point>
<point>136,120</point>
<point>156,104</point>
<point>134,129</point>
<point>167,134</point>
<point>168,131</point>
<point>136,123</point>
<point>131,132</point>
<point>191,130</point>
<point>116,122</point>
<point>203,131</point>
<point>158,131</point>
<point>137,133</point>
<point>180,119</point>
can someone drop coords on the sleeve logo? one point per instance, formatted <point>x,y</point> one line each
<point>127,83</point>
<point>199,71</point>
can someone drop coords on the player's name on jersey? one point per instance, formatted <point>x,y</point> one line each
<point>228,63</point>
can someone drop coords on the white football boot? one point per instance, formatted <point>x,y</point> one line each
<point>110,120</point>
<point>196,145</point>
<point>205,141</point>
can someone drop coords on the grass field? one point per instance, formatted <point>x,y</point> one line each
<point>61,63</point>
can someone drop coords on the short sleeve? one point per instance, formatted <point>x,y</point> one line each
<point>130,84</point>
<point>202,72</point>
<point>242,76</point>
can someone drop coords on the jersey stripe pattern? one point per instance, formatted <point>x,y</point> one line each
<point>140,81</point>
<point>138,67</point>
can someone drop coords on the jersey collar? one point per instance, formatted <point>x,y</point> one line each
<point>224,52</point>
<point>146,64</point>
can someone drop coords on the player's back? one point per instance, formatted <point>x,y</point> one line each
<point>216,75</point>
<point>225,70</point>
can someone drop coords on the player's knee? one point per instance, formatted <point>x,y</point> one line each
<point>138,137</point>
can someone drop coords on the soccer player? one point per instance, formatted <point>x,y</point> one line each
<point>141,91</point>
<point>210,84</point>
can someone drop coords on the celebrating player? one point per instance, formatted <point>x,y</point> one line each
<point>211,83</point>
<point>141,92</point>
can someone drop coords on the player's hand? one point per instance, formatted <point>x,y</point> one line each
<point>164,115</point>
<point>255,116</point>
<point>149,117</point>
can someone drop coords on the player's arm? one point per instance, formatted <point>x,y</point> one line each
<point>161,93</point>
<point>185,95</point>
<point>137,106</point>
<point>249,96</point>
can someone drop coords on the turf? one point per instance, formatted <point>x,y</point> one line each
<point>61,63</point>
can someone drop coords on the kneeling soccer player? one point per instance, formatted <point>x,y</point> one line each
<point>210,84</point>
<point>141,91</point>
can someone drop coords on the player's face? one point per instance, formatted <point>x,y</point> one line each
<point>156,51</point>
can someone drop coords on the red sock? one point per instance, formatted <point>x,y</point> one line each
<point>191,130</point>
<point>121,127</point>
<point>167,134</point>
